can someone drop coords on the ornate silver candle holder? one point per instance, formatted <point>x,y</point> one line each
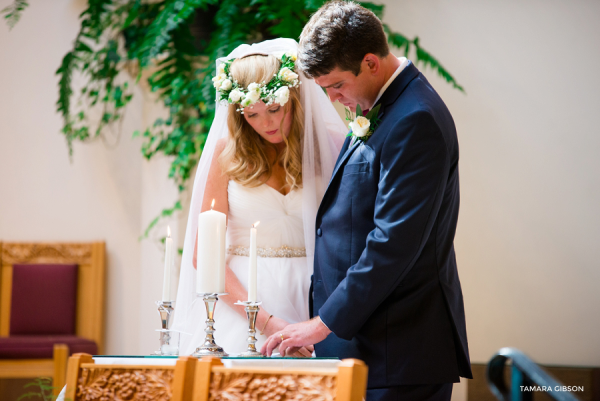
<point>251,309</point>
<point>169,339</point>
<point>210,348</point>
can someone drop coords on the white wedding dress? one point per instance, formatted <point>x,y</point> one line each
<point>283,274</point>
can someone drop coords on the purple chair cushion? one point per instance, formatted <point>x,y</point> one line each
<point>41,347</point>
<point>43,299</point>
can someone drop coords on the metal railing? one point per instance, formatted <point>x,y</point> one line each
<point>525,375</point>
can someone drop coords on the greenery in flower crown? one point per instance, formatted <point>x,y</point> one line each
<point>269,92</point>
<point>117,37</point>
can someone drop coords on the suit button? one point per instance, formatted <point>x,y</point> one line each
<point>319,232</point>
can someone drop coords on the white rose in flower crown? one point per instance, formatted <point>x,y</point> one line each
<point>288,75</point>
<point>360,126</point>
<point>225,85</point>
<point>235,95</point>
<point>254,87</point>
<point>292,56</point>
<point>282,95</point>
<point>253,95</point>
<point>218,80</point>
<point>221,69</point>
<point>251,98</point>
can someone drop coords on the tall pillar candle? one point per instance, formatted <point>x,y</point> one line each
<point>169,261</point>
<point>210,277</point>
<point>252,285</point>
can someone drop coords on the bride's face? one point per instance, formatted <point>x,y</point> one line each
<point>266,120</point>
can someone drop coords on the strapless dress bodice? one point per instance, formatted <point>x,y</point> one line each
<point>280,216</point>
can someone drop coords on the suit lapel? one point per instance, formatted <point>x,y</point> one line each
<point>343,160</point>
<point>342,152</point>
<point>390,95</point>
<point>393,92</point>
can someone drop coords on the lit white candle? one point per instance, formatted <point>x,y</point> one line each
<point>210,277</point>
<point>252,267</point>
<point>169,261</point>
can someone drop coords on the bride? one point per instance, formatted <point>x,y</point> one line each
<point>268,157</point>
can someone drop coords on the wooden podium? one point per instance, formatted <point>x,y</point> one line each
<point>208,379</point>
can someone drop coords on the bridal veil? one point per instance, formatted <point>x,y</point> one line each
<point>324,134</point>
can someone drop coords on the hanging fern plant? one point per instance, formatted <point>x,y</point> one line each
<point>118,35</point>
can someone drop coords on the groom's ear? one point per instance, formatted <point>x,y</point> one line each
<point>371,63</point>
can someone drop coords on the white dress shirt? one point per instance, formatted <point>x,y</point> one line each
<point>403,64</point>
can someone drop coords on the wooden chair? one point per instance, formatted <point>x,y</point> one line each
<point>89,308</point>
<point>207,379</point>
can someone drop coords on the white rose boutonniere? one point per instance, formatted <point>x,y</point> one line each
<point>362,127</point>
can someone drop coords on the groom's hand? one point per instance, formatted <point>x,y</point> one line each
<point>294,336</point>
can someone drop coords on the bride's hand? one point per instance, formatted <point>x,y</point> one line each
<point>274,325</point>
<point>302,352</point>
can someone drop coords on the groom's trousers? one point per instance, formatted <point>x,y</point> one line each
<point>429,392</point>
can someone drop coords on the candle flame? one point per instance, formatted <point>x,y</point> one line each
<point>169,231</point>
<point>256,224</point>
<point>212,204</point>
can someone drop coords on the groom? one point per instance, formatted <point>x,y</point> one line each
<point>385,284</point>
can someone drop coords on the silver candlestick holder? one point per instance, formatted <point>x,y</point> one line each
<point>169,339</point>
<point>210,347</point>
<point>251,309</point>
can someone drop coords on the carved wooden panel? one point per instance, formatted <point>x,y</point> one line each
<point>226,386</point>
<point>124,385</point>
<point>46,253</point>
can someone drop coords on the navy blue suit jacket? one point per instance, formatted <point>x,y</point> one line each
<point>385,278</point>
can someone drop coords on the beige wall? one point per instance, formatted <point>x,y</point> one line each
<point>107,193</point>
<point>529,135</point>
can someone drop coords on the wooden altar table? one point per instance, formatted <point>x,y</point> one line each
<point>190,379</point>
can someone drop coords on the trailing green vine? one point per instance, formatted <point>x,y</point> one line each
<point>12,13</point>
<point>119,35</point>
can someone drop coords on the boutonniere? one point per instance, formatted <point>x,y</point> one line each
<point>362,127</point>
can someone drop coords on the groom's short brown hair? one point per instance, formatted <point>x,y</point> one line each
<point>340,34</point>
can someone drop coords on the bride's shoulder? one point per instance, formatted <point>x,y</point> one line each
<point>221,143</point>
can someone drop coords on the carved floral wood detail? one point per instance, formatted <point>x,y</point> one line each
<point>260,387</point>
<point>46,253</point>
<point>124,385</point>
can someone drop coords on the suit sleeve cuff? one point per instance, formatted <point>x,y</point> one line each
<point>323,323</point>
<point>334,323</point>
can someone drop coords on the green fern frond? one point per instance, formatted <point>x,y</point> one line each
<point>377,9</point>
<point>167,212</point>
<point>170,17</point>
<point>14,12</point>
<point>422,56</point>
<point>428,60</point>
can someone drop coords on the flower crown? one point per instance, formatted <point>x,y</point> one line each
<point>275,91</point>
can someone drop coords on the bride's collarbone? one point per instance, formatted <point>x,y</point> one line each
<point>278,184</point>
<point>277,180</point>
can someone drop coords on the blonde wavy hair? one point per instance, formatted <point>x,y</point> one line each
<point>244,158</point>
